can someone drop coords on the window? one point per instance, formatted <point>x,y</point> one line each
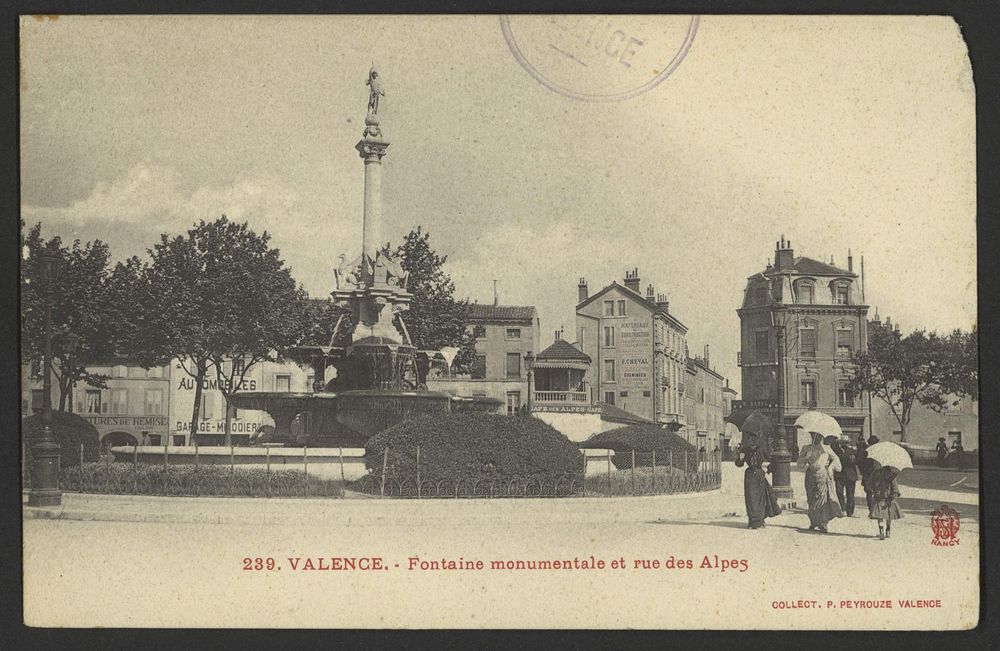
<point>239,366</point>
<point>762,344</point>
<point>479,331</point>
<point>92,402</point>
<point>609,308</point>
<point>807,342</point>
<point>119,401</point>
<point>513,402</point>
<point>760,295</point>
<point>808,393</point>
<point>609,336</point>
<point>179,440</point>
<point>623,394</point>
<point>154,402</point>
<point>479,368</point>
<point>776,289</point>
<point>609,370</point>
<point>621,308</point>
<point>701,395</point>
<point>37,399</point>
<point>845,397</point>
<point>154,439</point>
<point>805,294</point>
<point>37,366</point>
<point>609,397</point>
<point>845,342</point>
<point>841,295</point>
<point>513,364</point>
<point>954,436</point>
<point>283,383</point>
<point>513,333</point>
<point>206,406</point>
<point>647,394</point>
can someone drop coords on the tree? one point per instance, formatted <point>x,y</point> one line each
<point>80,308</point>
<point>219,298</point>
<point>435,319</point>
<point>919,368</point>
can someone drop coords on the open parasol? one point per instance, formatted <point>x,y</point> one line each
<point>888,453</point>
<point>815,421</point>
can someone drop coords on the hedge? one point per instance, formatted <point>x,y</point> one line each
<point>474,446</point>
<point>645,438</point>
<point>123,478</point>
<point>70,431</point>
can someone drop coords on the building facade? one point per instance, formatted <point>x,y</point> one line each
<point>638,348</point>
<point>801,322</point>
<point>704,405</point>
<point>504,334</point>
<point>957,423</point>
<point>133,409</point>
<point>280,377</point>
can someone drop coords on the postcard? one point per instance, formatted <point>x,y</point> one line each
<point>561,322</point>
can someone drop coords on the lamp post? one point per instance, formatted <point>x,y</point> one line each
<point>780,457</point>
<point>529,366</point>
<point>44,489</point>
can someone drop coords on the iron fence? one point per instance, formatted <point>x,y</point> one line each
<point>187,480</point>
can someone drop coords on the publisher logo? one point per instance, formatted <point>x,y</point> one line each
<point>945,523</point>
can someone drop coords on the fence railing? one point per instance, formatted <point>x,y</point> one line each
<point>562,396</point>
<point>640,475</point>
<point>631,474</point>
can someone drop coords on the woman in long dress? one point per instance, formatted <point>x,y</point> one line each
<point>757,493</point>
<point>820,463</point>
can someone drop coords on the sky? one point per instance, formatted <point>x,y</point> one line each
<point>837,133</point>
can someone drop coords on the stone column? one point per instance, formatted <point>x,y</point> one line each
<point>372,148</point>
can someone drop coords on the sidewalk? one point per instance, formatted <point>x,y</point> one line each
<point>725,502</point>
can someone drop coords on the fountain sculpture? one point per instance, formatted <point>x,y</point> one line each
<point>381,375</point>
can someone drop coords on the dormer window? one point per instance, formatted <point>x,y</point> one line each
<point>804,293</point>
<point>842,294</point>
<point>760,295</point>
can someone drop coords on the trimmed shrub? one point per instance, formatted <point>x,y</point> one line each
<point>645,438</point>
<point>474,446</point>
<point>122,478</point>
<point>70,431</point>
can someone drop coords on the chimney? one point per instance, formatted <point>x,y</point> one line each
<point>850,261</point>
<point>632,279</point>
<point>582,291</point>
<point>783,255</point>
<point>558,335</point>
<point>649,292</point>
<point>662,302</point>
<point>706,354</point>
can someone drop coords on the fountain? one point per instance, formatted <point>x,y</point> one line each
<point>381,375</point>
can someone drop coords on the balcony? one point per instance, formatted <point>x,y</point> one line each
<point>562,397</point>
<point>577,402</point>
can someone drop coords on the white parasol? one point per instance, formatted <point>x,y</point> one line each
<point>815,421</point>
<point>888,453</point>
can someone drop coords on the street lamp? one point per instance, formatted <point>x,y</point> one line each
<point>529,366</point>
<point>44,489</point>
<point>780,457</point>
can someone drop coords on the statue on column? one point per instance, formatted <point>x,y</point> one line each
<point>374,91</point>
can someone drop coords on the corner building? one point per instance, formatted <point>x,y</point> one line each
<point>638,347</point>
<point>801,323</point>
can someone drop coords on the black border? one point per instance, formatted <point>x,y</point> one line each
<point>979,23</point>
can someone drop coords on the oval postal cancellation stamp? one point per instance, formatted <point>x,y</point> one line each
<point>599,58</point>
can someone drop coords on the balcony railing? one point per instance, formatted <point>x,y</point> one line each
<point>562,396</point>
